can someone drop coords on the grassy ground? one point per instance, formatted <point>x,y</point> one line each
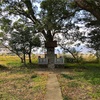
<point>81,83</point>
<point>18,82</point>
<point>8,60</point>
<point>22,84</point>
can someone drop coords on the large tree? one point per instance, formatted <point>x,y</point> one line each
<point>93,38</point>
<point>49,19</point>
<point>92,6</point>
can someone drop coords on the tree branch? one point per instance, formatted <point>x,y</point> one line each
<point>66,49</point>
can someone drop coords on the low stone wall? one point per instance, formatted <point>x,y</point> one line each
<point>58,61</point>
<point>42,60</point>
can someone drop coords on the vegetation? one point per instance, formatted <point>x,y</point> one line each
<point>22,84</point>
<point>33,19</point>
<point>90,5</point>
<point>48,20</point>
<point>23,40</point>
<point>19,82</point>
<point>80,83</point>
<point>14,61</point>
<point>94,41</point>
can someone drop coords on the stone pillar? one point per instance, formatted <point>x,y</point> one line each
<point>50,53</point>
<point>51,57</point>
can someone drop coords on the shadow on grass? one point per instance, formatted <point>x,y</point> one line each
<point>67,98</point>
<point>89,72</point>
<point>86,66</point>
<point>91,76</point>
<point>2,67</point>
<point>30,66</point>
<point>67,76</point>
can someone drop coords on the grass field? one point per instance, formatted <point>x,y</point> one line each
<point>8,60</point>
<point>80,83</point>
<point>18,82</point>
<point>22,84</point>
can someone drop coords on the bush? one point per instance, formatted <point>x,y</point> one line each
<point>69,60</point>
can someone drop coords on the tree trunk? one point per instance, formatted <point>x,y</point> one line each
<point>29,55</point>
<point>21,60</point>
<point>77,58</point>
<point>98,56</point>
<point>24,58</point>
<point>50,45</point>
<point>66,49</point>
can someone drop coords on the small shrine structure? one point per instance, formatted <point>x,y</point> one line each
<point>50,58</point>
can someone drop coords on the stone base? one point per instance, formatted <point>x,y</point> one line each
<point>52,66</point>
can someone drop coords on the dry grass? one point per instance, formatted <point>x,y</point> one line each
<point>89,57</point>
<point>8,60</point>
<point>80,84</point>
<point>22,84</point>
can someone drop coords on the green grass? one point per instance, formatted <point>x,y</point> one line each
<point>14,61</point>
<point>80,82</point>
<point>66,98</point>
<point>92,77</point>
<point>82,65</point>
<point>22,84</point>
<point>73,84</point>
<point>8,60</point>
<point>67,76</point>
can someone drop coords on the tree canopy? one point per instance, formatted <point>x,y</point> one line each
<point>48,19</point>
<point>92,6</point>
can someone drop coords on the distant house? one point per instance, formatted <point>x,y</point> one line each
<point>4,50</point>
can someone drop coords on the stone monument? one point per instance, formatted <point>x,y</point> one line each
<point>50,58</point>
<point>50,53</point>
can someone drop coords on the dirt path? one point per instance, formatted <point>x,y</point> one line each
<point>53,89</point>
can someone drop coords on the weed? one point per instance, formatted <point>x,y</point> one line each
<point>67,76</point>
<point>22,84</point>
<point>72,84</point>
<point>81,82</point>
<point>3,67</point>
<point>34,76</point>
<point>66,98</point>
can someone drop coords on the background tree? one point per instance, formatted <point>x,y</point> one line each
<point>51,18</point>
<point>93,41</point>
<point>24,38</point>
<point>70,40</point>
